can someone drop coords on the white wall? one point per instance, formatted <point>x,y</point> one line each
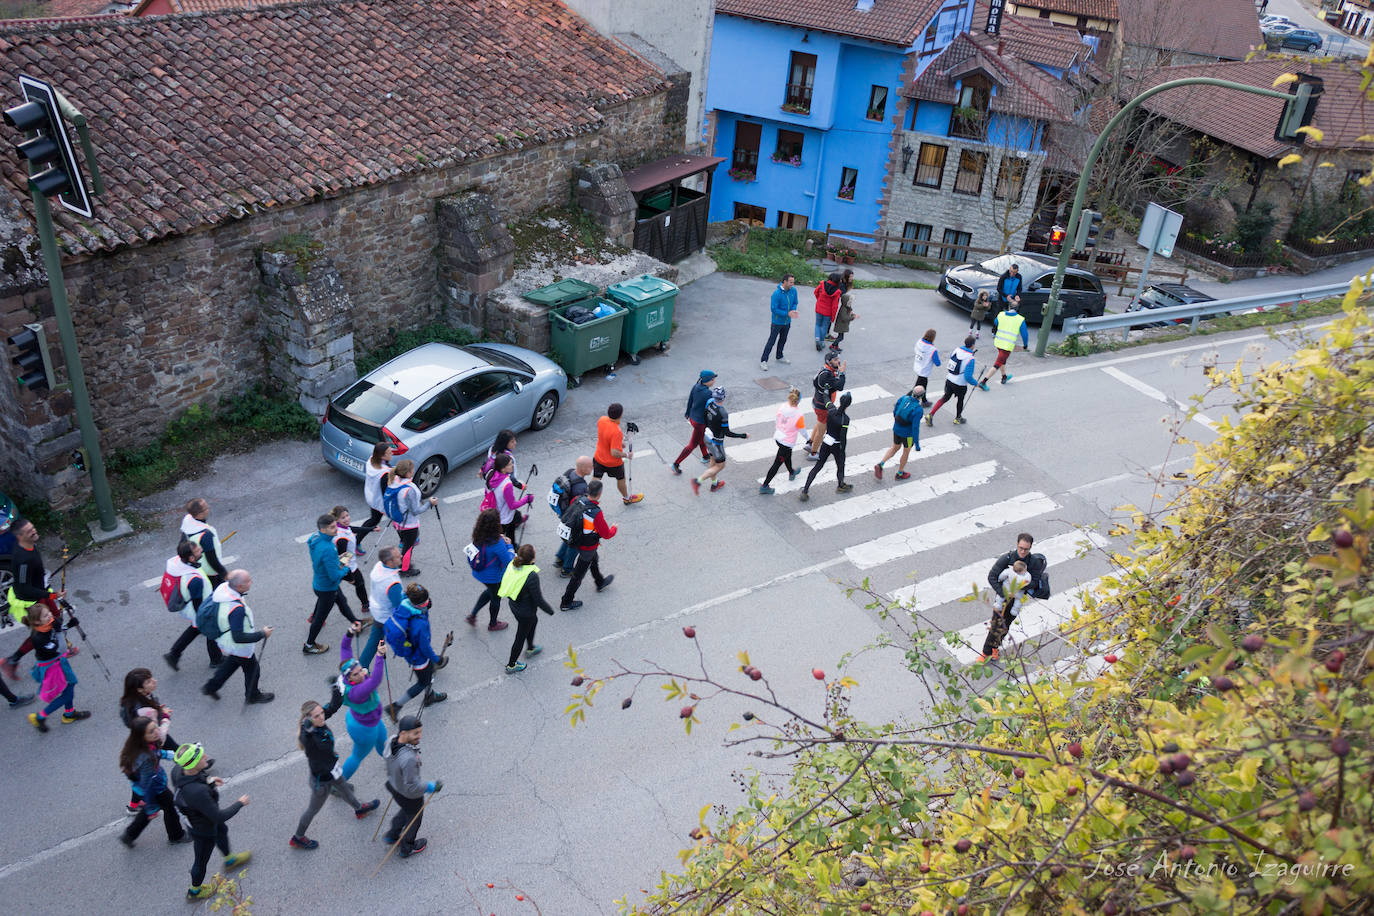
<point>679,28</point>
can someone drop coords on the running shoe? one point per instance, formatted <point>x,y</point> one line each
<point>804,496</point>
<point>435,696</point>
<point>303,842</point>
<point>984,385</point>
<point>696,487</point>
<point>930,419</point>
<point>471,620</point>
<point>792,475</point>
<point>235,859</point>
<point>133,807</point>
<point>367,808</point>
<point>11,669</point>
<point>959,421</point>
<point>844,488</point>
<point>606,583</point>
<point>497,626</point>
<point>766,491</point>
<point>415,850</point>
<point>1006,378</point>
<point>763,366</point>
<point>785,362</point>
<point>38,722</point>
<point>677,470</point>
<point>903,475</point>
<point>570,606</point>
<point>516,668</point>
<point>23,699</point>
<point>171,660</point>
<point>199,892</point>
<point>75,715</point>
<point>716,485</point>
<point>878,471</point>
<point>314,648</point>
<point>631,500</point>
<point>532,651</point>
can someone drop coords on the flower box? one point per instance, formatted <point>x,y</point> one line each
<point>786,160</point>
<point>739,173</point>
<point>794,108</point>
<point>846,194</point>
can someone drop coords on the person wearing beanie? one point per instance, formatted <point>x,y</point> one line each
<point>317,740</point>
<point>356,688</point>
<point>197,797</point>
<point>717,429</point>
<point>407,632</point>
<point>404,783</point>
<point>696,415</point>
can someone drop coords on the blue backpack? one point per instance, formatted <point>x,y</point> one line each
<point>398,637</point>
<point>207,618</point>
<point>391,503</point>
<point>908,410</point>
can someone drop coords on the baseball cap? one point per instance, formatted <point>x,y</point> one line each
<point>408,723</point>
<point>706,376</point>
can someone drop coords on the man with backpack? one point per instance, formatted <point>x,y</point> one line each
<point>906,426</point>
<point>568,486</point>
<point>184,588</point>
<point>403,504</point>
<point>695,414</point>
<point>586,525</point>
<point>407,633</point>
<point>1039,586</point>
<point>227,619</point>
<point>194,527</point>
<point>828,383</point>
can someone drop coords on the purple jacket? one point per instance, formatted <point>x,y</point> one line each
<point>361,698</point>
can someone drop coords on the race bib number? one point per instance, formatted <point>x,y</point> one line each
<point>553,500</point>
<point>564,532</point>
<point>337,772</point>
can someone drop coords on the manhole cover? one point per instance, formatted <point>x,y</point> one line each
<point>770,383</point>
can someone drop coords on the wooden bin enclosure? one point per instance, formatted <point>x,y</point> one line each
<point>671,220</point>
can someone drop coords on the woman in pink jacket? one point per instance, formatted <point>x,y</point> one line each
<point>502,487</point>
<point>828,293</point>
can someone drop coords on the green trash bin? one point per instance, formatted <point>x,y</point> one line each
<point>650,301</point>
<point>562,293</point>
<point>579,347</point>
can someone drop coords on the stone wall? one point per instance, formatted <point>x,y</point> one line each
<point>981,216</point>
<point>176,322</point>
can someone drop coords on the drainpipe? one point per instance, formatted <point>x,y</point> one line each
<point>816,188</point>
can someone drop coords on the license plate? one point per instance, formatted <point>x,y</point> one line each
<point>349,460</point>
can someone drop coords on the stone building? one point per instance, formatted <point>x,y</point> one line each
<point>284,183</point>
<point>1248,172</point>
<point>1162,33</point>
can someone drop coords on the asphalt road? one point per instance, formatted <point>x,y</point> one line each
<point>579,817</point>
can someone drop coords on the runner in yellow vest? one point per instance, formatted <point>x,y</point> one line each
<point>1009,325</point>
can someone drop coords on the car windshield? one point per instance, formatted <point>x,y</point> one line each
<point>370,402</point>
<point>499,358</point>
<point>999,265</point>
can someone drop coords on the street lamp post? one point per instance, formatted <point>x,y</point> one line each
<point>1080,196</point>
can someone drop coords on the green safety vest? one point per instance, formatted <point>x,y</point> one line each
<point>19,608</point>
<point>1008,330</point>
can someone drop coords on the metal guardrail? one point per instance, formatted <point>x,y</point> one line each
<point>1199,310</point>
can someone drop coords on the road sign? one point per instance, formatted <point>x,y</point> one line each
<point>1159,229</point>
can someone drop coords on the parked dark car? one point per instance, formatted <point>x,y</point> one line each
<point>1082,295</point>
<point>1163,295</point>
<point>1298,39</point>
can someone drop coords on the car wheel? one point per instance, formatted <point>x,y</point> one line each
<point>429,475</point>
<point>544,411</point>
<point>1311,48</point>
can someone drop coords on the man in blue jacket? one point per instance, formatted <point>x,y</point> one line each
<point>783,307</point>
<point>696,415</point>
<point>329,568</point>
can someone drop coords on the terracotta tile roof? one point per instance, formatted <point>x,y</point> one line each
<point>1248,121</point>
<point>1022,88</point>
<point>898,22</point>
<point>70,9</point>
<point>206,118</point>
<point>1227,29</point>
<point>1093,9</point>
<point>1036,40</point>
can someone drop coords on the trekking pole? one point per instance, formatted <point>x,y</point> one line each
<point>445,534</point>
<point>382,820</point>
<point>402,836</point>
<point>71,616</point>
<point>631,427</point>
<point>524,488</point>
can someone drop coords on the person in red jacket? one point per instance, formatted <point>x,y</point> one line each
<point>828,293</point>
<point>586,536</point>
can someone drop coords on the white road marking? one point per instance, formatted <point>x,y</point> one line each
<point>768,413</point>
<point>1211,344</point>
<point>859,464</point>
<point>1129,475</point>
<point>958,583</point>
<point>466,494</point>
<point>767,448</point>
<point>1151,392</point>
<point>898,497</point>
<point>157,580</point>
<point>1036,617</point>
<point>948,530</point>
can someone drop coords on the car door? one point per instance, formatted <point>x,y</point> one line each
<point>491,403</point>
<point>1035,293</point>
<point>438,427</point>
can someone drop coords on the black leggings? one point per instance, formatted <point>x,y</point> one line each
<point>827,451</point>
<point>6,692</point>
<point>423,677</point>
<point>958,392</point>
<point>359,586</point>
<point>324,603</point>
<point>510,529</point>
<point>488,595</point>
<point>204,845</point>
<point>367,527</point>
<point>409,537</point>
<point>524,637</point>
<point>169,818</point>
<point>783,457</point>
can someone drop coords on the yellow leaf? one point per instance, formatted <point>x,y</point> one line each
<point>1312,132</point>
<point>1290,159</point>
<point>1285,79</point>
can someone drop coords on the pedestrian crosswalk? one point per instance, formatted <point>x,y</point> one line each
<point>952,503</point>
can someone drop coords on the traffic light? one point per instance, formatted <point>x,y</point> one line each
<point>53,168</point>
<point>1089,225</point>
<point>33,368</point>
<point>1057,234</point>
<point>1298,112</point>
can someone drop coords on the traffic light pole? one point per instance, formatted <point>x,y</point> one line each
<point>1081,195</point>
<point>85,419</point>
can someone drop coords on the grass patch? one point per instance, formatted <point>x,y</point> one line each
<point>769,254</point>
<point>558,237</point>
<point>1087,345</point>
<point>409,339</point>
<point>893,284</point>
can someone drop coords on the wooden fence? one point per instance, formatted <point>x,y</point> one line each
<point>1109,266</point>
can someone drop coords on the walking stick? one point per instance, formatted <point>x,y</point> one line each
<point>534,472</point>
<point>401,837</point>
<point>382,820</point>
<point>631,427</point>
<point>71,617</point>
<point>445,534</point>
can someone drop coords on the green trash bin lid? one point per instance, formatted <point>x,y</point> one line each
<point>646,288</point>
<point>564,292</point>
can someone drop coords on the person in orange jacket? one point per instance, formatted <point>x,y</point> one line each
<point>827,293</point>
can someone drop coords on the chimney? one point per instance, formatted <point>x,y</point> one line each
<point>1001,46</point>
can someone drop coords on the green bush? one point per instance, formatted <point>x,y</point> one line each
<point>1252,228</point>
<point>768,254</point>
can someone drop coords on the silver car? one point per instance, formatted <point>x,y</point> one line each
<point>440,405</point>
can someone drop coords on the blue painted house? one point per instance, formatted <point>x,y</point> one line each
<point>803,104</point>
